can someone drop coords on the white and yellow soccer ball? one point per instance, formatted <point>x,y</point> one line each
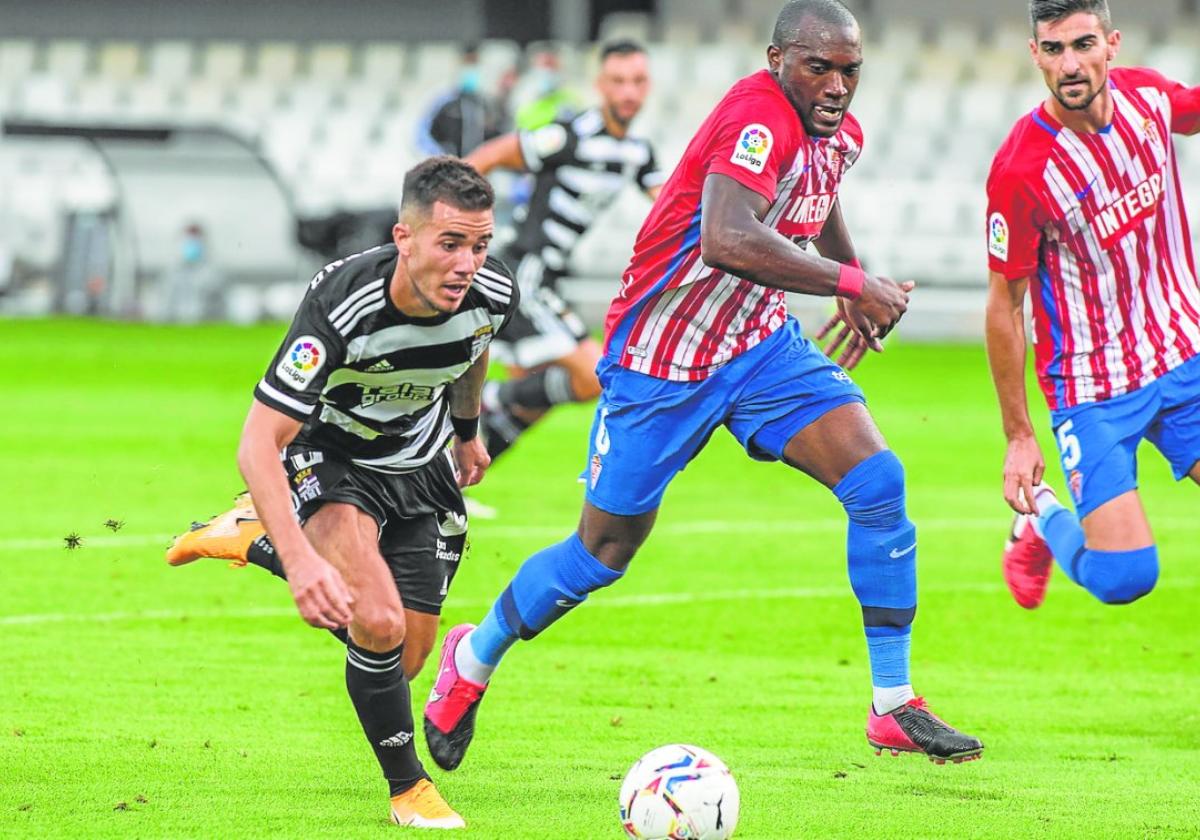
<point>679,792</point>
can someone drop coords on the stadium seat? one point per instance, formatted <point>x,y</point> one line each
<point>44,97</point>
<point>382,64</point>
<point>202,100</point>
<point>170,61</point>
<point>17,58</point>
<point>330,62</point>
<point>68,60</point>
<point>119,60</point>
<point>223,61</point>
<point>276,61</point>
<point>100,100</point>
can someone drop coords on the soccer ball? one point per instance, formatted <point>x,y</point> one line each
<point>679,792</point>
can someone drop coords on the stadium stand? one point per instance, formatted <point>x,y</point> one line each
<point>335,119</point>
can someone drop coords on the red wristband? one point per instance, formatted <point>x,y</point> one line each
<point>850,281</point>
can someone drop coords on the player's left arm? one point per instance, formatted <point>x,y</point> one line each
<point>836,244</point>
<point>1185,110</point>
<point>734,239</point>
<point>470,455</point>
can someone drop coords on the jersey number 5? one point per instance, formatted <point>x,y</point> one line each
<point>1068,445</point>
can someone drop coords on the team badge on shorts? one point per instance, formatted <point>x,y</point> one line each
<point>596,467</point>
<point>753,147</point>
<point>302,361</point>
<point>1075,482</point>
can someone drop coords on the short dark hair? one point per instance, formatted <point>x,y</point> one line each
<point>447,179</point>
<point>1054,10</point>
<point>621,46</point>
<point>832,12</point>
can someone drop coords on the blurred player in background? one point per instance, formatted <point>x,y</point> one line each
<point>345,453</point>
<point>579,166</point>
<point>699,337</point>
<point>1085,211</point>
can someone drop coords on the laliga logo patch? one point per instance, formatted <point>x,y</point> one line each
<point>998,236</point>
<point>301,363</point>
<point>753,147</point>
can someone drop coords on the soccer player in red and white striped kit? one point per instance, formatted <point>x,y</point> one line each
<point>1085,212</point>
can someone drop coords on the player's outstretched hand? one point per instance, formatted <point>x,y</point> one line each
<point>320,594</point>
<point>1023,468</point>
<point>883,303</point>
<point>472,460</point>
<point>845,338</point>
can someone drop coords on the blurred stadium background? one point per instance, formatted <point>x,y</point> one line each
<point>157,155</point>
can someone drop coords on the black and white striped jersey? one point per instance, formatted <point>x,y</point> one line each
<point>368,381</point>
<point>579,169</point>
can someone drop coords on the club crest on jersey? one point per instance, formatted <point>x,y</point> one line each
<point>302,361</point>
<point>998,236</point>
<point>837,165</point>
<point>753,147</point>
<point>480,341</point>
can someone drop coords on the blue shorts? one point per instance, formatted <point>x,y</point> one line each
<point>647,429</point>
<point>1098,441</point>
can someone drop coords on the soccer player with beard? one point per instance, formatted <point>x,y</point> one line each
<point>579,167</point>
<point>345,453</point>
<point>1085,213</point>
<point>699,337</point>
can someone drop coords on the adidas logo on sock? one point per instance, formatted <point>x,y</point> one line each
<point>380,366</point>
<point>398,740</point>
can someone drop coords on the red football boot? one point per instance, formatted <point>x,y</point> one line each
<point>453,702</point>
<point>1027,563</point>
<point>913,728</point>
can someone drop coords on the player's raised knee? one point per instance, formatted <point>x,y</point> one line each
<point>1121,577</point>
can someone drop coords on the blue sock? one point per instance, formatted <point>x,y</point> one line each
<point>881,551</point>
<point>1115,577</point>
<point>1062,532</point>
<point>547,586</point>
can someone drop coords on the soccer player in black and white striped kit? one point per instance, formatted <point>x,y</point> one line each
<point>360,435</point>
<point>579,166</point>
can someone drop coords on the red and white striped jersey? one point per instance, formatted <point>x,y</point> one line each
<point>678,318</point>
<point>1097,222</point>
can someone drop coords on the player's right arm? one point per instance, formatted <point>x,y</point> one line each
<point>285,398</point>
<point>734,239</point>
<point>523,151</point>
<point>1005,337</point>
<point>503,152</point>
<point>317,588</point>
<point>1014,233</point>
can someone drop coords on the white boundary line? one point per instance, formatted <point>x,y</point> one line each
<point>482,530</point>
<point>605,600</point>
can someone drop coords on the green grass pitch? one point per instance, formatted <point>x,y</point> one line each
<point>142,701</point>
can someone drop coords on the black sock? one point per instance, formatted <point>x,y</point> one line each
<point>262,553</point>
<point>537,391</point>
<point>379,691</point>
<point>500,430</point>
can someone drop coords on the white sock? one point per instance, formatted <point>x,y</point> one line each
<point>1046,501</point>
<point>886,699</point>
<point>468,663</point>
